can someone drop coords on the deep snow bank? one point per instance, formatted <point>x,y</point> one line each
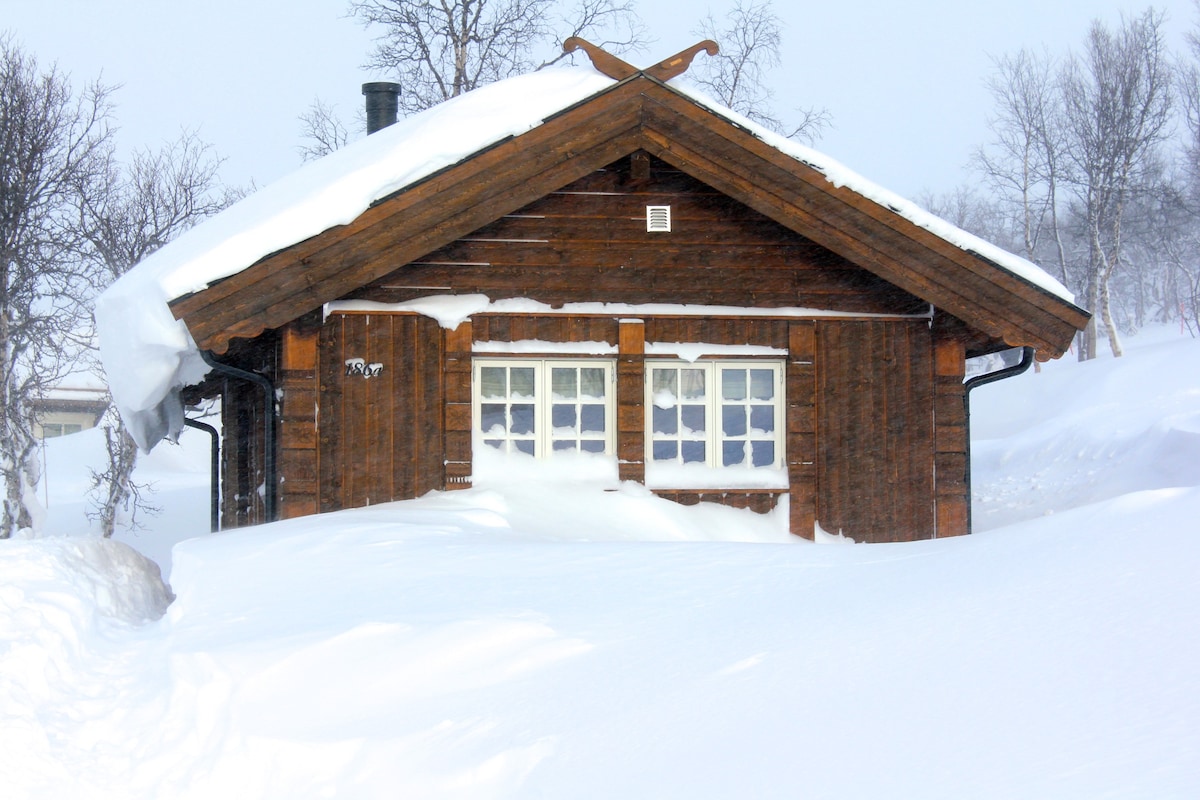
<point>64,603</point>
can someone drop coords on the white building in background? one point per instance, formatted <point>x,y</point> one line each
<point>75,405</point>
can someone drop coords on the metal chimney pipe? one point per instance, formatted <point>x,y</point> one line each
<point>383,99</point>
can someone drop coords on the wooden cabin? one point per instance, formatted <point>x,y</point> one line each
<point>641,278</point>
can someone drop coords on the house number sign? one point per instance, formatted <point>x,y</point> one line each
<point>359,367</point>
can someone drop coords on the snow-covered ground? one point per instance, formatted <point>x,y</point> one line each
<point>518,641</point>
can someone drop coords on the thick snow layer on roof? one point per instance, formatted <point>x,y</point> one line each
<point>840,175</point>
<point>147,354</point>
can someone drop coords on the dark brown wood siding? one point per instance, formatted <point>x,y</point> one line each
<point>381,437</point>
<point>588,242</point>
<point>875,452</point>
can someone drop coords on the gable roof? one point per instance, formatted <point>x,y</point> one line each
<point>433,178</point>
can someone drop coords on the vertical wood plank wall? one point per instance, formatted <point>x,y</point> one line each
<point>875,424</point>
<point>951,452</point>
<point>864,455</point>
<point>801,424</point>
<point>381,438</point>
<point>299,399</point>
<point>631,393</point>
<point>875,458</point>
<point>457,377</point>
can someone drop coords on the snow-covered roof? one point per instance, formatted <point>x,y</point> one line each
<point>147,353</point>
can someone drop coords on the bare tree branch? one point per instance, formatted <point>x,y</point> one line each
<point>440,49</point>
<point>750,42</point>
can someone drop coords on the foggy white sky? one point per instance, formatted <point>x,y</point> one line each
<point>904,81</point>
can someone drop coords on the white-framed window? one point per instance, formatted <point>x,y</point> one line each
<point>542,406</point>
<point>715,414</point>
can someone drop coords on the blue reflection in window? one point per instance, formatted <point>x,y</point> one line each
<point>762,454</point>
<point>733,420</point>
<point>522,419</point>
<point>693,452</point>
<point>592,418</point>
<point>762,418</point>
<point>563,416</point>
<point>491,415</point>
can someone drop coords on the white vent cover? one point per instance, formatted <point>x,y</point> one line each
<point>658,219</point>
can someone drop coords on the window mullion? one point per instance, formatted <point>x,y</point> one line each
<point>541,406</point>
<point>715,433</point>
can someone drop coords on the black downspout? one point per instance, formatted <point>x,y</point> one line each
<point>982,380</point>
<point>214,473</point>
<point>269,479</point>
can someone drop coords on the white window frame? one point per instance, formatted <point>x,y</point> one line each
<point>543,437</point>
<point>714,437</point>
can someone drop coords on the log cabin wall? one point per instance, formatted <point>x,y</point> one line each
<point>381,409</point>
<point>588,242</point>
<point>244,416</point>
<point>875,455</point>
<point>859,392</point>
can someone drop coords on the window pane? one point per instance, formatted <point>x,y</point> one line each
<point>693,452</point>
<point>762,418</point>
<point>733,384</point>
<point>733,453</point>
<point>733,420</point>
<point>762,384</point>
<point>568,444</point>
<point>665,421</point>
<point>492,418</point>
<point>563,416</point>
<point>762,453</point>
<point>692,418</point>
<point>666,451</point>
<point>496,443</point>
<point>592,418</point>
<point>665,380</point>
<point>692,384</point>
<point>591,383</point>
<point>522,419</point>
<point>524,446</point>
<point>492,384</point>
<point>592,446</point>
<point>564,383</point>
<point>522,381</point>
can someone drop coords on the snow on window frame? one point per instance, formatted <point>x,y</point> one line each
<point>541,439</point>
<point>712,474</point>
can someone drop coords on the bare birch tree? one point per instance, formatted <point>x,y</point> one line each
<point>321,131</point>
<point>132,211</point>
<point>52,145</point>
<point>441,50</point>
<point>1024,163</point>
<point>1117,101</point>
<point>750,39</point>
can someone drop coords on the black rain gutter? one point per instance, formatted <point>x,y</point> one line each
<point>269,479</point>
<point>982,380</point>
<point>214,473</point>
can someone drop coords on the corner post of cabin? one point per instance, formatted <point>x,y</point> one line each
<point>457,348</point>
<point>631,411</point>
<point>801,445</point>
<point>299,389</point>
<point>952,490</point>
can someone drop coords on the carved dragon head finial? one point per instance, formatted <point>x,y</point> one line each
<point>619,70</point>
